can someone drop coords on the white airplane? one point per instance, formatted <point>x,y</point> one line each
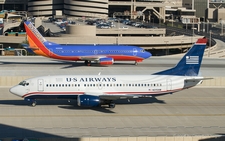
<point>97,90</point>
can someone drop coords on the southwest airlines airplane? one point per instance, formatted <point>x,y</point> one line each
<point>97,90</point>
<point>102,54</point>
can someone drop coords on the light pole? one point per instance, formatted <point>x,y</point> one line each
<point>207,26</point>
<point>172,19</point>
<point>209,43</point>
<point>153,21</point>
<point>167,51</point>
<point>181,46</point>
<point>221,21</point>
<point>203,28</point>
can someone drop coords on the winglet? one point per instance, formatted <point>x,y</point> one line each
<point>190,64</point>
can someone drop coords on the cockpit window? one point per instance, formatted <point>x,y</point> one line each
<point>23,83</point>
<point>143,50</point>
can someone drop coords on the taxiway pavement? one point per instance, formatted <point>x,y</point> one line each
<point>196,111</point>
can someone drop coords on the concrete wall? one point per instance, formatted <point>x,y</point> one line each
<point>81,30</point>
<point>221,15</point>
<point>8,81</point>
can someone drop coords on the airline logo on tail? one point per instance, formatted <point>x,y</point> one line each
<point>192,59</point>
<point>36,33</point>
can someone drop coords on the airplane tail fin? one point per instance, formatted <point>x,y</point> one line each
<point>36,40</point>
<point>190,64</point>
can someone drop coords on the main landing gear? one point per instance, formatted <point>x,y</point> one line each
<point>112,105</point>
<point>87,63</point>
<point>135,63</point>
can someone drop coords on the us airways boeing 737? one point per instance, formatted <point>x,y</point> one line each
<point>103,54</point>
<point>97,90</point>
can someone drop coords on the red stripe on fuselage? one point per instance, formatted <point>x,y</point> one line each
<point>109,93</point>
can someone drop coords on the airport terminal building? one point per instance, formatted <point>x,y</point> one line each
<point>150,10</point>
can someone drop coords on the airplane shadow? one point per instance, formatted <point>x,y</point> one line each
<point>98,109</point>
<point>221,137</point>
<point>9,132</point>
<point>150,100</point>
<point>72,104</point>
<point>64,64</point>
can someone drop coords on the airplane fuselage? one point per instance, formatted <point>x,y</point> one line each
<point>69,86</point>
<point>117,52</point>
<point>103,54</point>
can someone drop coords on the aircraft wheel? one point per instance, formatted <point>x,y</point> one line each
<point>34,103</point>
<point>87,63</point>
<point>136,63</point>
<point>112,105</point>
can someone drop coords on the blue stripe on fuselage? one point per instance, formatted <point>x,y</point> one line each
<point>90,50</point>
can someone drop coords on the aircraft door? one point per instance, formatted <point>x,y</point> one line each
<point>135,51</point>
<point>40,85</point>
<point>168,84</point>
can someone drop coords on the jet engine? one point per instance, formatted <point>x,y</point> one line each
<point>88,101</point>
<point>106,61</point>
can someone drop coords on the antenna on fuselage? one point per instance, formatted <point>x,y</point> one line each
<point>99,73</point>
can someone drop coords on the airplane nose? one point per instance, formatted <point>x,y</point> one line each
<point>147,54</point>
<point>16,91</point>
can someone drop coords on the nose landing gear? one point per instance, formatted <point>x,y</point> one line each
<point>33,101</point>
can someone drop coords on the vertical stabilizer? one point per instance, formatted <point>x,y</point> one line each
<point>36,40</point>
<point>190,64</point>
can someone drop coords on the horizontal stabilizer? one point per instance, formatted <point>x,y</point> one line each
<point>199,78</point>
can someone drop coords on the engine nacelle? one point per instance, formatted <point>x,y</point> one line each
<point>106,61</point>
<point>88,101</point>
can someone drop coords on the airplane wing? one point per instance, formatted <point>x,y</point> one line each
<point>102,60</point>
<point>92,58</point>
<point>104,96</point>
<point>198,78</point>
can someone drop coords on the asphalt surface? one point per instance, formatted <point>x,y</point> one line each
<point>37,65</point>
<point>196,111</point>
